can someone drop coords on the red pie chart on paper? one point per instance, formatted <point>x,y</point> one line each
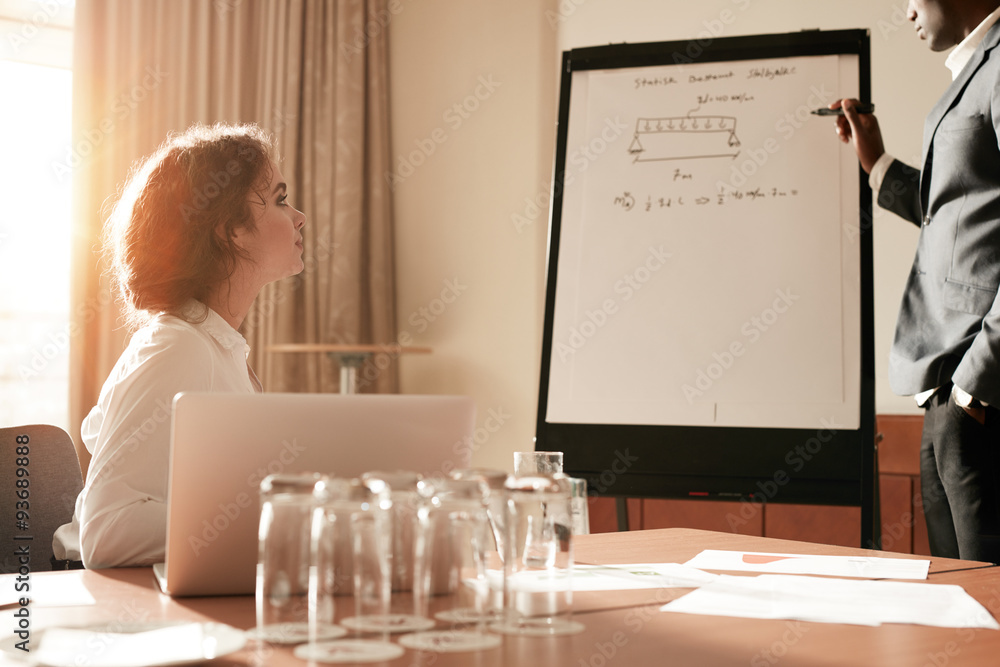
<point>763,559</point>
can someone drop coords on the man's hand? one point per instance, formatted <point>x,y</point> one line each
<point>979,414</point>
<point>967,402</point>
<point>862,131</point>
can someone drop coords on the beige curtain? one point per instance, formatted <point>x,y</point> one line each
<point>311,72</point>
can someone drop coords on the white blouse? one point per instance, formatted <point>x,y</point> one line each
<point>121,514</point>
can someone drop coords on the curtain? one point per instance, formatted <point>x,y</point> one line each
<point>313,73</point>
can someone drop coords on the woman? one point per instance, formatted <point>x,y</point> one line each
<point>201,226</point>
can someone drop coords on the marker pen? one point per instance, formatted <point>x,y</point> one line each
<point>860,108</point>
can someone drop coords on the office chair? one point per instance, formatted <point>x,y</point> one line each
<point>39,481</point>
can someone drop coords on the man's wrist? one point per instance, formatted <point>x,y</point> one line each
<point>878,171</point>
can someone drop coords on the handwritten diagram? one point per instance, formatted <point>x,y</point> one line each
<point>684,138</point>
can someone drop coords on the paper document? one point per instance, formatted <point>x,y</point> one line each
<point>825,600</point>
<point>867,567</point>
<point>44,591</point>
<point>638,575</point>
<point>609,578</point>
<point>69,646</point>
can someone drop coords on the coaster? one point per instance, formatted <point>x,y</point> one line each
<point>348,650</point>
<point>293,633</point>
<point>388,623</point>
<point>450,641</point>
<point>538,627</point>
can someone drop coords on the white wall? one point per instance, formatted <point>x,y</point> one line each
<point>471,174</point>
<point>453,213</point>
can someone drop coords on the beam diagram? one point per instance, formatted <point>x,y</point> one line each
<point>684,138</point>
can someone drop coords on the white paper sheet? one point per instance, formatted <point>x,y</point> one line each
<point>44,591</point>
<point>638,575</point>
<point>826,600</point>
<point>867,567</point>
<point>610,578</point>
<point>180,643</point>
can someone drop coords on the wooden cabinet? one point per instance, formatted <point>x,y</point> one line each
<point>903,528</point>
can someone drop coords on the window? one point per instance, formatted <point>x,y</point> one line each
<point>35,75</point>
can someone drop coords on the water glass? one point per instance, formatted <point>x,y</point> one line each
<point>538,563</point>
<point>460,535</point>
<point>405,491</point>
<point>350,543</point>
<point>283,564</point>
<point>406,608</point>
<point>493,481</point>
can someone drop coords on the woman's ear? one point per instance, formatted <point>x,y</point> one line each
<point>236,236</point>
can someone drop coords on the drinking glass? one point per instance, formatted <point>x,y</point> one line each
<point>406,608</point>
<point>538,564</point>
<point>404,490</point>
<point>283,563</point>
<point>493,481</point>
<point>350,555</point>
<point>457,548</point>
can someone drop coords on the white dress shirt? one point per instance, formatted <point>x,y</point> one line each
<point>121,514</point>
<point>955,62</point>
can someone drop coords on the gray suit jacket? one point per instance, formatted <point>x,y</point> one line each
<point>949,321</point>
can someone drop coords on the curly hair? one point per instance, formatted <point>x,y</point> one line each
<point>170,235</point>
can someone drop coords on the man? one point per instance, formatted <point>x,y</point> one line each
<point>946,350</point>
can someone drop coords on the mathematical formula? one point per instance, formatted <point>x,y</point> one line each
<point>633,201</point>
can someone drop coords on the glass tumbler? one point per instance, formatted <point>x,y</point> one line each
<point>459,540</point>
<point>283,563</point>
<point>493,480</point>
<point>406,609</point>
<point>538,564</point>
<point>350,556</point>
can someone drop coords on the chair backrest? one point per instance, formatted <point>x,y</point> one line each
<point>39,482</point>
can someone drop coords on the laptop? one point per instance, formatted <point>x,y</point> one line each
<point>223,445</point>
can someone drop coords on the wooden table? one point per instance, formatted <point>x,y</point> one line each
<point>350,357</point>
<point>623,628</point>
<point>677,545</point>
